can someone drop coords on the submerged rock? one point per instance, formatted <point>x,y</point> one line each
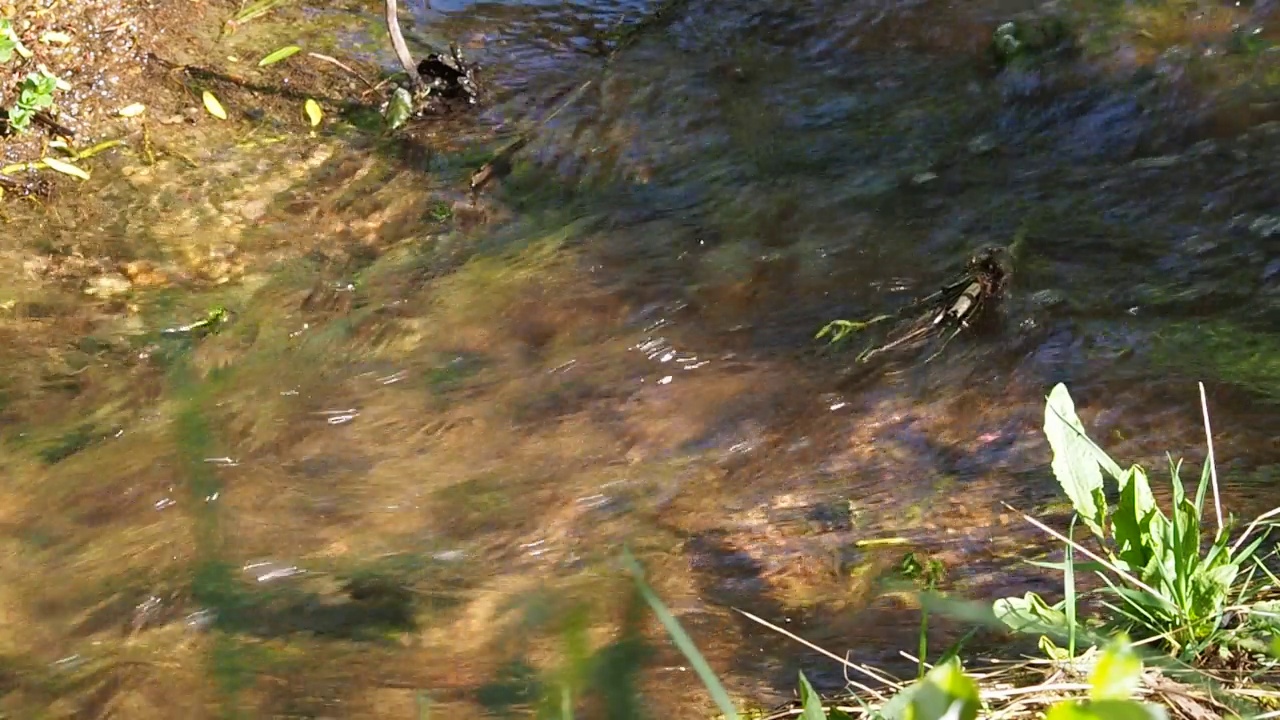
<point>1025,41</point>
<point>109,285</point>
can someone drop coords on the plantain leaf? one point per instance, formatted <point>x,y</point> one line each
<point>1076,459</point>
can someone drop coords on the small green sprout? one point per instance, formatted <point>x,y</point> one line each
<point>34,94</point>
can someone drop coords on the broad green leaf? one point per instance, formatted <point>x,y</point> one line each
<point>399,108</point>
<point>811,704</point>
<point>681,639</point>
<point>278,55</point>
<point>946,693</point>
<point>213,106</point>
<point>1106,710</point>
<point>1217,583</point>
<point>1134,524</point>
<point>133,110</point>
<point>1030,614</point>
<point>65,168</point>
<point>1118,672</point>
<point>1075,462</point>
<point>314,113</point>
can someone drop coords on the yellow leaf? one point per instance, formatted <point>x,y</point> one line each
<point>213,106</point>
<point>65,168</point>
<point>55,37</point>
<point>314,114</point>
<point>133,110</point>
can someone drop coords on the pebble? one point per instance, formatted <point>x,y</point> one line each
<point>108,285</point>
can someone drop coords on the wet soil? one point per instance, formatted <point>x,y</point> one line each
<point>407,462</point>
<point>102,50</point>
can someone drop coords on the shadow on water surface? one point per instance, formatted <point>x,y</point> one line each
<point>426,424</point>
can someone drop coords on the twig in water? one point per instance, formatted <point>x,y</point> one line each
<point>44,118</point>
<point>873,674</point>
<point>344,66</point>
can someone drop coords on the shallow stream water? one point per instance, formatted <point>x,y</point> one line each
<point>415,451</point>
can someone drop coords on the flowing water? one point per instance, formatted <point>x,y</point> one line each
<point>412,456</point>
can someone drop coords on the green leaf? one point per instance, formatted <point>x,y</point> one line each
<point>1118,672</point>
<point>810,703</point>
<point>946,692</point>
<point>213,106</point>
<point>275,57</point>
<point>314,113</point>
<point>399,108</point>
<point>681,639</point>
<point>1030,614</point>
<point>1106,710</point>
<point>65,168</point>
<point>1136,522</point>
<point>1075,459</point>
<point>1052,651</point>
<point>44,82</point>
<point>10,43</point>
<point>20,117</point>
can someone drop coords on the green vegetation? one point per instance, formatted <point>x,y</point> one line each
<point>1226,351</point>
<point>1190,596</point>
<point>1166,577</point>
<point>34,94</point>
<point>10,44</point>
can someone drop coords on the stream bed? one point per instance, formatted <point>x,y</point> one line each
<point>426,427</point>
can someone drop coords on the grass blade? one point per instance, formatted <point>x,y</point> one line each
<point>681,639</point>
<point>255,10</point>
<point>275,57</point>
<point>1069,589</point>
<point>1213,470</point>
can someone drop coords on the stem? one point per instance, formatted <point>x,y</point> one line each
<point>1213,467</point>
<point>923,649</point>
<point>397,43</point>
